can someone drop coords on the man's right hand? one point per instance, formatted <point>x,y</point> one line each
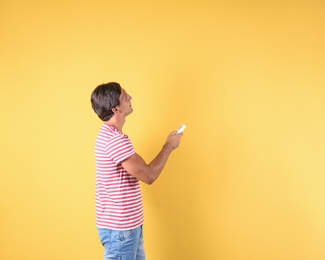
<point>173,140</point>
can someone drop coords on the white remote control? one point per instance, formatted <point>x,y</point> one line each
<point>181,129</point>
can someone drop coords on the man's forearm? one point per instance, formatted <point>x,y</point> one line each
<point>158,163</point>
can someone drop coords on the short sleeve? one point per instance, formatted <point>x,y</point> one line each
<point>119,148</point>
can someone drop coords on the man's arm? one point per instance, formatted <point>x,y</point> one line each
<point>148,173</point>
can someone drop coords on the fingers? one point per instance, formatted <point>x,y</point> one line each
<point>175,133</point>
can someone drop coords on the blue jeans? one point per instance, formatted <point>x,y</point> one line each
<point>122,244</point>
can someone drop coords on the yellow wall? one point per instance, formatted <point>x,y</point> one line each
<point>247,78</point>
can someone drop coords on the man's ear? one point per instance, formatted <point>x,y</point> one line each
<point>115,110</point>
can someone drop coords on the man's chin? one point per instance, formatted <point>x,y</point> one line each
<point>131,111</point>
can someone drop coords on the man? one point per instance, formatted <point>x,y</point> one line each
<point>119,212</point>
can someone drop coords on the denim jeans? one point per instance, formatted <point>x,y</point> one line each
<point>122,244</point>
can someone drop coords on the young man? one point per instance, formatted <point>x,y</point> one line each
<point>119,212</point>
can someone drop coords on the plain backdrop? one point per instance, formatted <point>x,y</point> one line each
<point>246,77</point>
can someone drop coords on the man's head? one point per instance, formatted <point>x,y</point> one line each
<point>105,98</point>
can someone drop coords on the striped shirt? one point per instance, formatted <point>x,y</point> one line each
<point>118,195</point>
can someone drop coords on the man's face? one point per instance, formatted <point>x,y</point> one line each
<point>125,106</point>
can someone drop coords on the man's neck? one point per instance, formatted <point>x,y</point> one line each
<point>117,122</point>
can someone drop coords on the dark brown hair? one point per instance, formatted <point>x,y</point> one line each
<point>104,98</point>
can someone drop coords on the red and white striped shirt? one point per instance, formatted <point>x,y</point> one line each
<point>118,194</point>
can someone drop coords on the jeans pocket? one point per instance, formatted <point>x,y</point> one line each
<point>125,234</point>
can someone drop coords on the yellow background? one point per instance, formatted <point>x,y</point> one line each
<point>247,77</point>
